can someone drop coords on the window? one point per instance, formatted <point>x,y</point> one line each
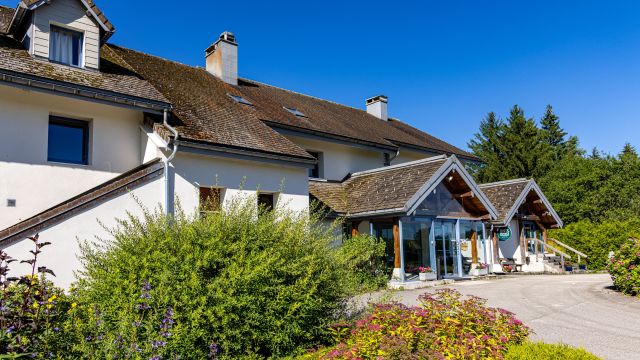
<point>65,46</point>
<point>314,172</point>
<point>265,202</point>
<point>239,99</point>
<point>295,112</point>
<point>210,200</point>
<point>68,141</point>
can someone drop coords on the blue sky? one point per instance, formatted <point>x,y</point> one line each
<point>443,64</point>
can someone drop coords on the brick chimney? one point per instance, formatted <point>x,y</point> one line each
<point>222,58</point>
<point>377,106</point>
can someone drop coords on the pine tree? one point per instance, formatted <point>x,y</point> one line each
<point>555,136</point>
<point>486,145</point>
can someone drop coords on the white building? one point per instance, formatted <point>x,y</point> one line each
<point>86,124</point>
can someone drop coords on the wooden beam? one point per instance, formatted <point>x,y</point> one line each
<point>496,249</point>
<point>538,202</point>
<point>464,195</point>
<point>396,245</point>
<point>474,248</point>
<point>531,217</point>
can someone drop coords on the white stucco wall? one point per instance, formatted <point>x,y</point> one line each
<point>25,173</point>
<point>70,14</point>
<point>510,249</point>
<point>409,155</point>
<point>239,178</point>
<point>61,255</point>
<point>339,160</point>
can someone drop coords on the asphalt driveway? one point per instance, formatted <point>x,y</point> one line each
<point>579,310</point>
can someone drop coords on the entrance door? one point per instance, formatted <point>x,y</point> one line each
<point>446,248</point>
<point>384,230</point>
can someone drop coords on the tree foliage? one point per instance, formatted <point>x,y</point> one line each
<point>517,147</point>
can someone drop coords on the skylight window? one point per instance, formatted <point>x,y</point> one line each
<point>295,112</point>
<point>240,100</point>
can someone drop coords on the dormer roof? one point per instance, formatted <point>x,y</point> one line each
<point>106,27</point>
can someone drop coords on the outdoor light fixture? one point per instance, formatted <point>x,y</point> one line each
<point>450,178</point>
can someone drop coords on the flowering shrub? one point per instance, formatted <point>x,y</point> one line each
<point>445,325</point>
<point>425,269</point>
<point>624,267</point>
<point>32,310</point>
<point>231,284</point>
<point>542,351</point>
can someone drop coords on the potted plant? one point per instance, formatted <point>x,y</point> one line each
<point>582,266</point>
<point>507,268</point>
<point>568,266</point>
<point>479,269</point>
<point>426,273</point>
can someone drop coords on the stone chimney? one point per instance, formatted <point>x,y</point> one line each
<point>222,58</point>
<point>377,106</point>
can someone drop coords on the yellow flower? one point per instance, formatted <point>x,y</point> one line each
<point>52,298</point>
<point>73,305</point>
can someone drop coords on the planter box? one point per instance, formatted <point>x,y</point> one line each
<point>582,267</point>
<point>478,272</point>
<point>427,276</point>
<point>568,268</point>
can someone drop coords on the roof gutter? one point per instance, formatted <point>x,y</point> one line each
<point>80,91</point>
<point>168,188</point>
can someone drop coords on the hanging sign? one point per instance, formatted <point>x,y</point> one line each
<point>504,234</point>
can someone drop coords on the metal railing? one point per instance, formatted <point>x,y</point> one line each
<point>563,255</point>
<point>558,242</point>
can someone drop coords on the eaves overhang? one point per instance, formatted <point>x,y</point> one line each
<point>56,87</point>
<point>208,149</point>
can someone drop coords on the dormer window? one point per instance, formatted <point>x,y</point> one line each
<point>240,100</point>
<point>295,112</point>
<point>65,46</point>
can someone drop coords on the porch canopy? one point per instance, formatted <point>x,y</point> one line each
<point>433,188</point>
<point>521,202</point>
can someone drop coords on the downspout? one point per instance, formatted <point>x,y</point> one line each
<point>390,159</point>
<point>168,194</point>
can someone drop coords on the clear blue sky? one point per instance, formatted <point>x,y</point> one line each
<point>443,64</point>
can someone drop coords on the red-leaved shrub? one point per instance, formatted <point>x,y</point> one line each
<point>445,326</point>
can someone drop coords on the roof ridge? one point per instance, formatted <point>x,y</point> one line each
<point>504,182</point>
<point>401,165</point>
<point>309,96</point>
<point>154,56</point>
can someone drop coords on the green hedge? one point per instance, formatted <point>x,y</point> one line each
<point>597,239</point>
<point>541,351</point>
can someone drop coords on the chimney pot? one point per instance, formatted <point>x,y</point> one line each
<point>377,106</point>
<point>222,58</point>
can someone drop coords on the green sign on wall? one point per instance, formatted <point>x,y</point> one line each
<point>504,234</point>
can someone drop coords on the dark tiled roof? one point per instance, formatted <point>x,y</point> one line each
<point>113,76</point>
<point>379,190</point>
<point>331,118</point>
<point>69,208</point>
<point>203,108</point>
<point>503,195</point>
<point>6,14</point>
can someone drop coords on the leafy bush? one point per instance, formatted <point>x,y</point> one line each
<point>624,267</point>
<point>445,325</point>
<point>362,257</point>
<point>243,282</point>
<point>541,351</point>
<point>33,312</point>
<point>598,239</point>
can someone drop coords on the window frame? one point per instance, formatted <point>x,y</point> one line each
<point>53,26</point>
<point>273,201</point>
<point>71,123</point>
<point>205,194</point>
<point>317,167</point>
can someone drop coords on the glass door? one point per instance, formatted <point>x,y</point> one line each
<point>446,248</point>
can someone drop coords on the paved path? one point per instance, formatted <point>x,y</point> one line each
<point>579,310</point>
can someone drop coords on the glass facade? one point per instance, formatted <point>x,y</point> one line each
<point>416,233</point>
